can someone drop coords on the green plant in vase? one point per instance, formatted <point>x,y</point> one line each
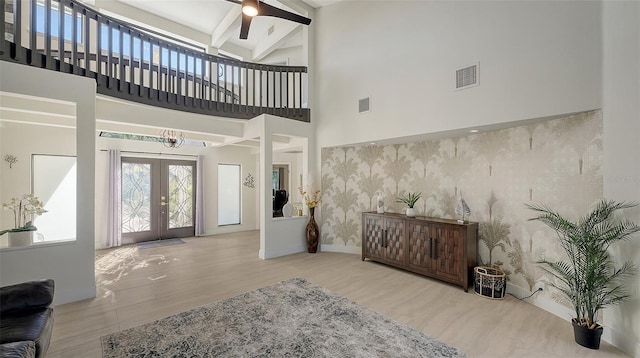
<point>410,200</point>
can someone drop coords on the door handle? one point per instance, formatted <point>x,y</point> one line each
<point>384,238</point>
<point>432,248</point>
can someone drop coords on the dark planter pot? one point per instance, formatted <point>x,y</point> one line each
<point>586,337</point>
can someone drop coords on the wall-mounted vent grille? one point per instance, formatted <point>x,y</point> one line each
<point>363,105</point>
<point>467,76</point>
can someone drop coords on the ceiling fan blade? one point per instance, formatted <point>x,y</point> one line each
<point>235,1</point>
<point>244,29</point>
<point>265,9</point>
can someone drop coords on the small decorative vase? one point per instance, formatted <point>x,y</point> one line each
<point>380,203</point>
<point>313,233</point>
<point>20,238</point>
<point>411,212</point>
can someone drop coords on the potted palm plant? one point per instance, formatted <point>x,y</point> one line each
<point>410,199</point>
<point>589,278</point>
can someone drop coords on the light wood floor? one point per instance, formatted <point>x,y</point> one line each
<point>136,286</point>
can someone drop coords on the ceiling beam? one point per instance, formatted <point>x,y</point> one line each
<point>274,41</point>
<point>151,21</point>
<point>229,25</point>
<point>298,6</point>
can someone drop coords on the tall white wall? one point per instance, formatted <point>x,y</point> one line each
<point>71,265</point>
<point>621,113</point>
<point>536,59</point>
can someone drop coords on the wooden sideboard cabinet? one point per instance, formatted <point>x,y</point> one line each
<point>439,248</point>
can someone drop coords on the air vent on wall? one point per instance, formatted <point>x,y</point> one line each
<point>467,77</point>
<point>363,105</point>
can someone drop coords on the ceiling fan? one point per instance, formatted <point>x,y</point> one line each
<point>251,8</point>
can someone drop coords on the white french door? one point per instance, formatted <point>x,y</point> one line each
<point>158,199</point>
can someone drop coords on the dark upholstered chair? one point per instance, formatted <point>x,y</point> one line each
<point>26,319</point>
<point>280,198</point>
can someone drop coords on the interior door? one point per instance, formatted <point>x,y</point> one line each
<point>158,199</point>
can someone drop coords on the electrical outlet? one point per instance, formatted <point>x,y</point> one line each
<point>539,286</point>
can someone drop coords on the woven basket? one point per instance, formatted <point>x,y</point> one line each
<point>490,282</point>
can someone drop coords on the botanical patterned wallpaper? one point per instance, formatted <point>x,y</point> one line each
<point>556,162</point>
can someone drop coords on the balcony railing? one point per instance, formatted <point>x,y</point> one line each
<point>140,65</point>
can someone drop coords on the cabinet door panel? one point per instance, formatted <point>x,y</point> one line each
<point>419,255</point>
<point>373,236</point>
<point>449,253</point>
<point>394,243</point>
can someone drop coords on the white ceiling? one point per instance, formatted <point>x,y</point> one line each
<point>220,20</point>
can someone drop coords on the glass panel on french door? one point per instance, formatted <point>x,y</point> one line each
<point>228,194</point>
<point>136,197</point>
<point>180,196</point>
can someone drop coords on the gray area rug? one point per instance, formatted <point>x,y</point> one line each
<point>294,318</point>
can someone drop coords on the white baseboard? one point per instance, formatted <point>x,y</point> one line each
<point>61,297</point>
<point>621,340</point>
<point>542,301</point>
<point>288,251</point>
<point>341,249</point>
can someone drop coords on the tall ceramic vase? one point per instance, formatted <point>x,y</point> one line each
<point>313,233</point>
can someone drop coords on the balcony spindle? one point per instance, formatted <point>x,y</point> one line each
<point>17,27</point>
<point>47,31</point>
<point>152,60</point>
<point>218,85</point>
<point>86,22</point>
<point>160,75</point>
<point>211,74</point>
<point>226,80</point>
<point>33,23</point>
<point>178,80</point>
<point>246,88</point>
<point>3,30</point>
<point>61,11</point>
<point>300,92</point>
<point>202,85</point>
<point>281,106</point>
<point>193,83</point>
<point>121,60</point>
<point>233,87</point>
<point>74,38</point>
<point>132,65</point>
<point>109,55</point>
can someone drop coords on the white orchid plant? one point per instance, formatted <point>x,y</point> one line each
<point>24,208</point>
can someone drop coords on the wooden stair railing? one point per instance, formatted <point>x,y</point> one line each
<point>134,65</point>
